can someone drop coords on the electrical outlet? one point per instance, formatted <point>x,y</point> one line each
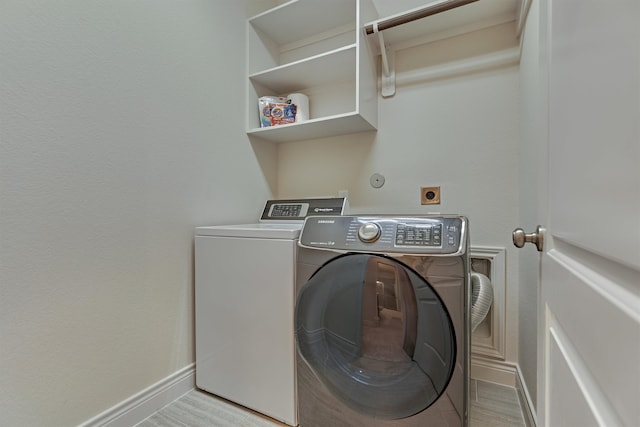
<point>430,195</point>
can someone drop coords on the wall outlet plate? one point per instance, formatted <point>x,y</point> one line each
<point>430,195</point>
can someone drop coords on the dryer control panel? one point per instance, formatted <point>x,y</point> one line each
<point>429,235</point>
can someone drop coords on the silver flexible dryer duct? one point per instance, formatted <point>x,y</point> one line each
<point>481,298</point>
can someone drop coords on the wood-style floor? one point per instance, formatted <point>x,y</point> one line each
<point>492,405</point>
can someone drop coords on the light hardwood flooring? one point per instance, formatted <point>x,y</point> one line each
<point>491,405</point>
<point>494,405</point>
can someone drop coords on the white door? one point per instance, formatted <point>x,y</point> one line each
<point>589,308</point>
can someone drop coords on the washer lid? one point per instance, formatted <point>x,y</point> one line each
<point>261,231</point>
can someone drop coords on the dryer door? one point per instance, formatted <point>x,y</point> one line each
<point>376,334</point>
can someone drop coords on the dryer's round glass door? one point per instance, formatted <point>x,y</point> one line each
<point>376,334</point>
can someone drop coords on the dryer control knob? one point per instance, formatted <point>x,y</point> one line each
<point>369,232</point>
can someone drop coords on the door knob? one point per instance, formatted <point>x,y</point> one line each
<point>520,237</point>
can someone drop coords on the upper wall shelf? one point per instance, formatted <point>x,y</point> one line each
<point>470,17</point>
<point>320,48</point>
<point>339,124</point>
<point>297,19</point>
<point>316,48</point>
<point>336,65</point>
<point>433,21</point>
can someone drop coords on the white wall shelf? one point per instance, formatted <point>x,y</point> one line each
<point>470,17</point>
<point>339,124</point>
<point>337,65</point>
<point>319,49</point>
<point>300,19</point>
<point>435,20</point>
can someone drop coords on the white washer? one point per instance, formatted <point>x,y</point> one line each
<point>244,306</point>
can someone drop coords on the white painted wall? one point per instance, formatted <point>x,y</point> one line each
<point>121,131</point>
<point>460,133</point>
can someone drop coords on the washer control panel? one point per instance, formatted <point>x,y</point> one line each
<point>279,210</point>
<point>445,235</point>
<point>299,209</point>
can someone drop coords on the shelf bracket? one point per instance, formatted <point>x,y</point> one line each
<point>388,78</point>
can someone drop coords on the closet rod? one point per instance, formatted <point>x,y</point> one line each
<point>385,24</point>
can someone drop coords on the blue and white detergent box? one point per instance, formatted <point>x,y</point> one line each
<point>283,114</point>
<point>276,110</point>
<point>264,104</point>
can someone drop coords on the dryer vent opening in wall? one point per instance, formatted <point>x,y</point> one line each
<point>483,266</point>
<point>488,338</point>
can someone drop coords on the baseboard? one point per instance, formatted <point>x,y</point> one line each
<point>493,371</point>
<point>526,403</point>
<point>143,404</point>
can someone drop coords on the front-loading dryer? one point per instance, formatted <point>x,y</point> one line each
<point>381,321</point>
